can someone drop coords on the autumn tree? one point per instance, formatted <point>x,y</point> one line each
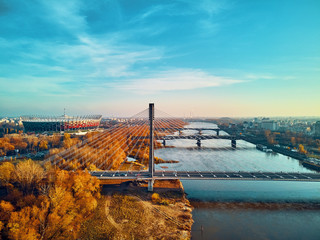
<point>302,150</point>
<point>35,142</point>
<point>5,145</point>
<point>57,213</point>
<point>28,175</point>
<point>43,145</point>
<point>18,141</point>
<point>6,174</point>
<point>56,140</point>
<point>66,140</point>
<point>6,208</point>
<point>22,224</point>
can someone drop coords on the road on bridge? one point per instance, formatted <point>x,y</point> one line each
<point>208,175</point>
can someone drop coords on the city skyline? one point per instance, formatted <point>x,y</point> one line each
<point>207,58</point>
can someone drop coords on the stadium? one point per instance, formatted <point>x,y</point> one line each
<point>61,123</point>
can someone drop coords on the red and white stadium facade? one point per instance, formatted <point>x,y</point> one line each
<point>63,123</point>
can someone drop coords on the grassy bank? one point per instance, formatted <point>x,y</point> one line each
<point>130,212</point>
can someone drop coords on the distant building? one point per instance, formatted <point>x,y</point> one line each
<point>269,125</point>
<point>61,123</point>
<point>317,128</point>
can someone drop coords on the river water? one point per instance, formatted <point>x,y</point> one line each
<point>243,209</point>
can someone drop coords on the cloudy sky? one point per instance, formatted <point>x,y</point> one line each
<point>204,57</point>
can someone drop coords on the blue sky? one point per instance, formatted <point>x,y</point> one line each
<point>204,58</point>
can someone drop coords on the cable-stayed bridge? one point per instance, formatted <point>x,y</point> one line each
<point>106,154</point>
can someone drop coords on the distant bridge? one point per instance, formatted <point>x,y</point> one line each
<point>207,175</point>
<point>197,137</point>
<point>217,130</point>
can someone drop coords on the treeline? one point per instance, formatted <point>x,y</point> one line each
<point>109,150</point>
<point>33,143</point>
<point>8,128</point>
<point>105,152</point>
<point>288,138</point>
<point>291,139</point>
<point>45,202</point>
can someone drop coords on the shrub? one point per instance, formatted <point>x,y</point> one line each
<point>155,198</point>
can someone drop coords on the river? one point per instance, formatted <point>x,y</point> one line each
<point>243,209</point>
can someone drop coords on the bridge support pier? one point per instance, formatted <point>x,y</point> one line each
<point>233,143</point>
<point>150,185</point>
<point>199,143</point>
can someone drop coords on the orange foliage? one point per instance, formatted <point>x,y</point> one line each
<point>109,150</point>
<point>28,175</point>
<point>5,145</point>
<point>301,149</point>
<point>6,173</point>
<point>57,213</point>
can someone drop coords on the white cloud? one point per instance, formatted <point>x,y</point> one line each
<point>267,77</point>
<point>178,79</point>
<point>259,76</point>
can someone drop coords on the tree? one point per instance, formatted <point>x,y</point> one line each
<point>56,139</point>
<point>21,145</point>
<point>6,174</point>
<point>28,175</point>
<point>6,208</point>
<point>35,142</point>
<point>43,145</point>
<point>302,150</point>
<point>68,141</point>
<point>155,198</point>
<point>23,224</point>
<point>68,199</point>
<point>5,145</point>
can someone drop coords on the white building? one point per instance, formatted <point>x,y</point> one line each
<point>270,125</point>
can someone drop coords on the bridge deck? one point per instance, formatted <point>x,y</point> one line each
<point>195,137</point>
<point>201,137</point>
<point>209,175</point>
<point>194,129</point>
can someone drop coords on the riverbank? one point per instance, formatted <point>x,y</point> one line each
<point>255,141</point>
<point>127,210</point>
